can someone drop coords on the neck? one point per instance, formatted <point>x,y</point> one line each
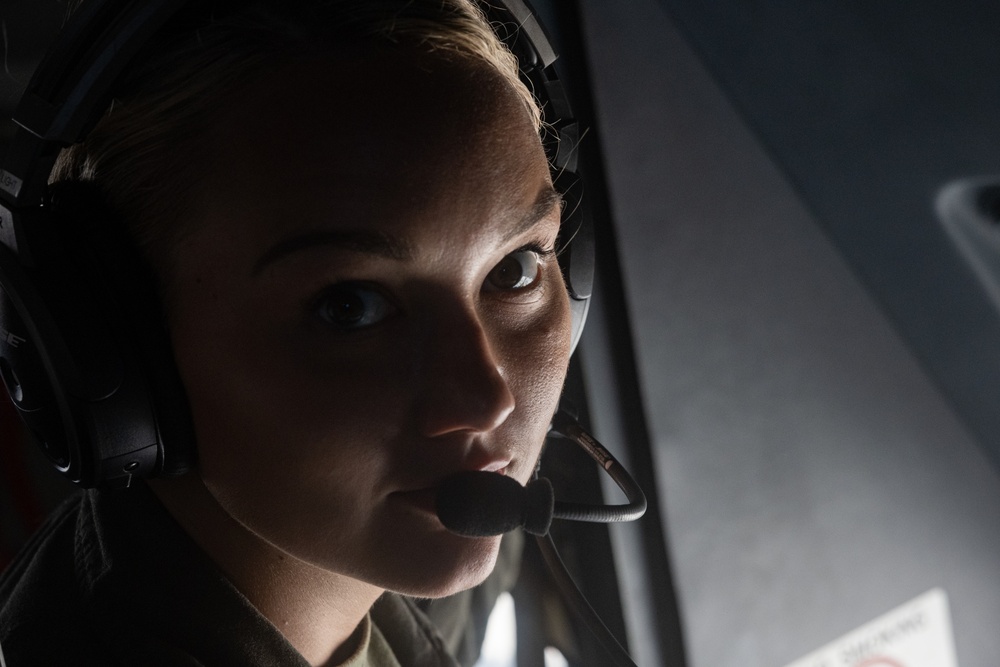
<point>316,610</point>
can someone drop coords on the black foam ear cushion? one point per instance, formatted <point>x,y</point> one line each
<point>136,294</point>
<point>89,365</point>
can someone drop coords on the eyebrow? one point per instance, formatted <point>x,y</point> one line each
<point>391,247</point>
<point>547,200</point>
<point>370,242</point>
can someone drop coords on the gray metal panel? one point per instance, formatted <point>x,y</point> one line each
<point>813,476</point>
<point>871,108</point>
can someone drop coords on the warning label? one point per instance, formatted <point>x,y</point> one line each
<point>917,634</point>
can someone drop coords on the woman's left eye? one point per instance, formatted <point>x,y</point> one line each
<point>352,306</point>
<point>517,271</point>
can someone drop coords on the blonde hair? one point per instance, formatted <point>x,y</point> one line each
<point>142,152</point>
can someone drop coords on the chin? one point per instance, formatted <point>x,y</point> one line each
<point>465,565</point>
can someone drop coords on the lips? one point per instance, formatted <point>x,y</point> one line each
<point>494,466</point>
<point>425,499</point>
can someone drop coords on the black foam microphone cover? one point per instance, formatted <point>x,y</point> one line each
<point>480,504</point>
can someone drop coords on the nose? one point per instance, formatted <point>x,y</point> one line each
<point>462,384</point>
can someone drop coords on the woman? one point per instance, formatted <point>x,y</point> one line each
<point>349,215</point>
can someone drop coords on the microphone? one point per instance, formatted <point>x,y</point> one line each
<point>480,504</point>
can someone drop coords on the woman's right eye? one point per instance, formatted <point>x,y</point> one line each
<point>352,306</point>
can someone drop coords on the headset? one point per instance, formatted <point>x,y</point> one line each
<point>84,353</point>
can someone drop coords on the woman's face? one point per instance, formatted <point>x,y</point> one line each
<point>367,303</point>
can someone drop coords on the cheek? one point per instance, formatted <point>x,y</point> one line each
<point>300,462</point>
<point>536,367</point>
<point>278,430</point>
<point>274,414</point>
<point>546,347</point>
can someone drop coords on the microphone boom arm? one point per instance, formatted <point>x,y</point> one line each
<point>563,424</point>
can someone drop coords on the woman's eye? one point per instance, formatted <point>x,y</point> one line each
<point>516,271</point>
<point>350,306</point>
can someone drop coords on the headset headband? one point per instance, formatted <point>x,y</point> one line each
<point>72,86</point>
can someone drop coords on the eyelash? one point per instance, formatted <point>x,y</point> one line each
<point>544,254</point>
<point>538,249</point>
<point>498,280</point>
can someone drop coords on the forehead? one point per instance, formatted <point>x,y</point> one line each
<point>382,134</point>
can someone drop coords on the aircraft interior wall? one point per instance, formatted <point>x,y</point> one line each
<point>812,474</point>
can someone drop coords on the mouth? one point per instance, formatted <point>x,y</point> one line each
<point>425,499</point>
<point>499,467</point>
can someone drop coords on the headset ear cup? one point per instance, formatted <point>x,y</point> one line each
<point>135,307</point>
<point>94,376</point>
<point>36,367</point>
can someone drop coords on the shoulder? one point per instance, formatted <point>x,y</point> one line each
<point>44,617</point>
